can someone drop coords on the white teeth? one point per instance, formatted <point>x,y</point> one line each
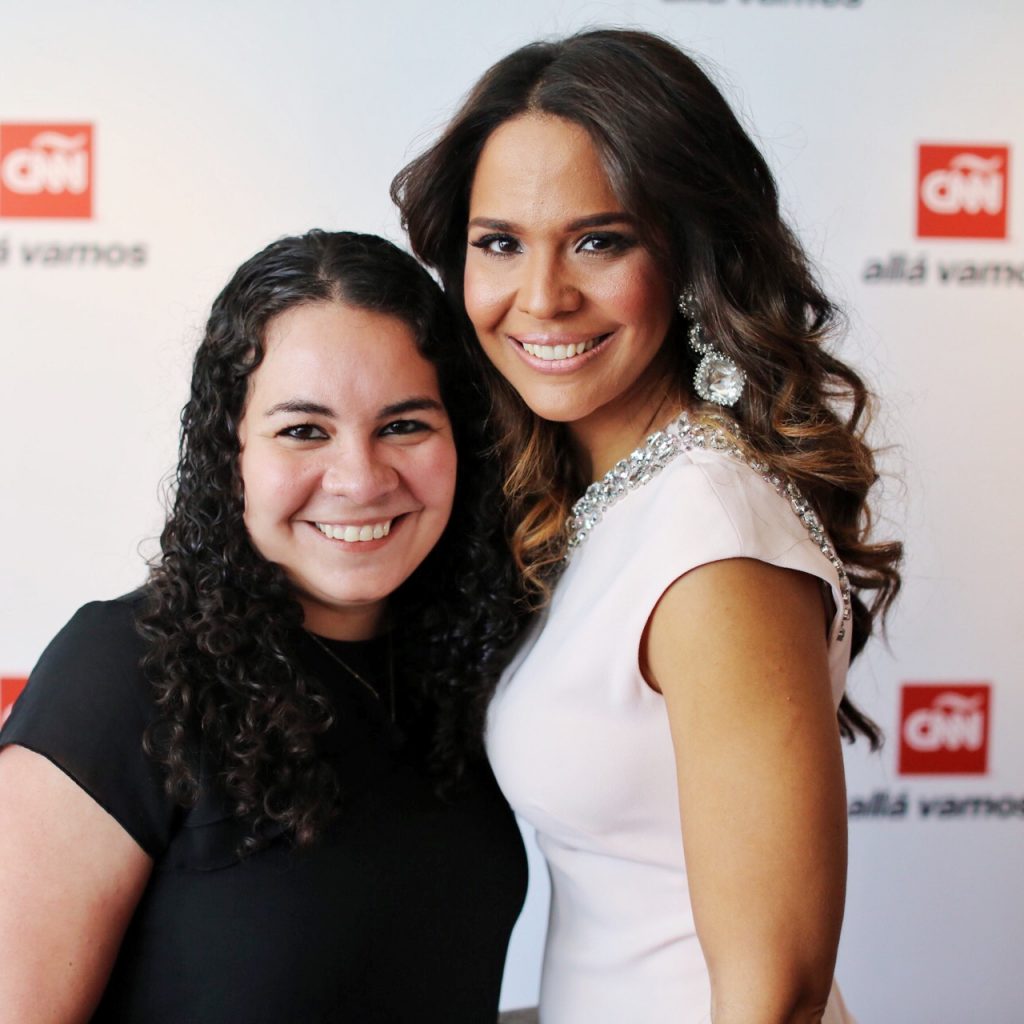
<point>353,534</point>
<point>560,351</point>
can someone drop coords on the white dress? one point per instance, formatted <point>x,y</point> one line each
<point>580,743</point>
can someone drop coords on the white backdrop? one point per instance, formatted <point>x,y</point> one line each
<point>219,126</point>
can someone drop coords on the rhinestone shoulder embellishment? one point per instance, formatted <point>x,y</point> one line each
<point>661,448</point>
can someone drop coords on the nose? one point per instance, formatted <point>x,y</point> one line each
<point>546,288</point>
<point>363,474</point>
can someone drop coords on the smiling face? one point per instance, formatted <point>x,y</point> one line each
<point>566,302</point>
<point>347,461</point>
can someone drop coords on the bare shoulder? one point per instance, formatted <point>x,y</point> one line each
<point>740,623</point>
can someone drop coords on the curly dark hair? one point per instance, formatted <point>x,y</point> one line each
<point>222,622</point>
<point>706,206</point>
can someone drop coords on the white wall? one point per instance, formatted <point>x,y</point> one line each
<point>219,126</point>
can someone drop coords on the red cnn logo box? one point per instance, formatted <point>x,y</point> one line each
<point>944,729</point>
<point>962,191</point>
<point>46,170</point>
<point>10,690</point>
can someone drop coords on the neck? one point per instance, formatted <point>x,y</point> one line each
<point>356,623</point>
<point>605,437</point>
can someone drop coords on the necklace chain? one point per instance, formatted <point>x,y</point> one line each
<point>361,679</point>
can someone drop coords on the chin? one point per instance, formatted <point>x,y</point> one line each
<point>555,409</point>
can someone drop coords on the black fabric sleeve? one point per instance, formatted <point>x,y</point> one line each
<point>86,707</point>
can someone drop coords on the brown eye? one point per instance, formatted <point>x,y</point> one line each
<point>497,243</point>
<point>605,241</point>
<point>303,432</point>
<point>403,427</point>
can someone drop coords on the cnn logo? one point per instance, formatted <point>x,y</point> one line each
<point>46,170</point>
<point>944,729</point>
<point>962,191</point>
<point>10,690</point>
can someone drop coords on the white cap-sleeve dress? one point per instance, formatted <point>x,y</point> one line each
<point>581,745</point>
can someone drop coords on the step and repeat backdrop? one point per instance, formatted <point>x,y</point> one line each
<point>147,149</point>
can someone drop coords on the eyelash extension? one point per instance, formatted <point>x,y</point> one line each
<point>486,241</point>
<point>616,242</point>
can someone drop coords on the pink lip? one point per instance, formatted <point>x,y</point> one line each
<point>540,338</point>
<point>357,522</point>
<point>558,366</point>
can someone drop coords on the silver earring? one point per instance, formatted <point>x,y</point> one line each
<point>718,379</point>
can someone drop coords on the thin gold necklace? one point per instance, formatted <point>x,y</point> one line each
<point>355,675</point>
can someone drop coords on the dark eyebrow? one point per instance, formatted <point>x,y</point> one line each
<point>305,407</point>
<point>600,220</point>
<point>494,225</point>
<point>419,404</point>
<point>300,405</point>
<point>594,220</point>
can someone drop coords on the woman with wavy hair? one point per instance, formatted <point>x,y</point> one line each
<point>246,792</point>
<point>650,327</point>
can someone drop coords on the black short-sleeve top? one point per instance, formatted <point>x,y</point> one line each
<point>401,912</point>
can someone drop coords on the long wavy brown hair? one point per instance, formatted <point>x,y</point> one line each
<point>707,207</point>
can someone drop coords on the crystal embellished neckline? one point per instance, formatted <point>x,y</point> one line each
<point>683,434</point>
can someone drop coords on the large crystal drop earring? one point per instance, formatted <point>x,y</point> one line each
<point>717,379</point>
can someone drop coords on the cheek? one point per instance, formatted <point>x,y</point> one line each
<point>247,480</point>
<point>436,478</point>
<point>640,297</point>
<point>485,296</point>
<point>271,487</point>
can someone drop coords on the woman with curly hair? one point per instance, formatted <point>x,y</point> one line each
<point>246,792</point>
<point>650,327</point>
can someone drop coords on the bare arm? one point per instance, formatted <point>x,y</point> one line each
<point>70,878</point>
<point>738,649</point>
